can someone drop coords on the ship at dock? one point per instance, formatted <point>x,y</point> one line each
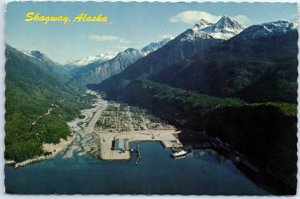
<point>178,152</point>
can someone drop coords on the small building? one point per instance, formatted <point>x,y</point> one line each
<point>119,145</point>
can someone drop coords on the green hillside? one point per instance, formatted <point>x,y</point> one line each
<point>31,89</point>
<point>257,70</point>
<point>178,106</point>
<point>266,133</point>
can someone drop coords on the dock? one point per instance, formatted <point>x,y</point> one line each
<point>168,139</point>
<point>139,154</point>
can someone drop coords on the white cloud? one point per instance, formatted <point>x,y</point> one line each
<point>103,38</point>
<point>242,19</point>
<point>166,36</point>
<point>124,41</point>
<point>192,16</point>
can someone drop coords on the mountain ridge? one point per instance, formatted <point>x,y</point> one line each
<point>31,90</point>
<point>223,69</point>
<point>89,59</point>
<point>49,64</point>
<point>224,29</point>
<point>95,73</point>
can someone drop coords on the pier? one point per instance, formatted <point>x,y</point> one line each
<point>139,154</point>
<point>168,139</point>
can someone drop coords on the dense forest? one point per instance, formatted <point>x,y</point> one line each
<point>31,91</point>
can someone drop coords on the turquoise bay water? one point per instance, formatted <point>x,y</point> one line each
<point>201,172</point>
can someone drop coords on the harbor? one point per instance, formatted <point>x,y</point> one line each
<point>200,172</point>
<point>112,137</point>
<point>116,146</point>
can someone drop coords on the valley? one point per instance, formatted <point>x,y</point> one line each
<point>107,123</point>
<point>222,94</point>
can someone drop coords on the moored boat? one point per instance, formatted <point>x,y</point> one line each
<point>179,152</point>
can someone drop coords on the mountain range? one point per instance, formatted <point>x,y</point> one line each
<point>225,28</point>
<point>223,68</point>
<point>197,79</point>
<point>238,84</point>
<point>232,68</point>
<point>49,64</point>
<point>89,59</point>
<point>100,70</point>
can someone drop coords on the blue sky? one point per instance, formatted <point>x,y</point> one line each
<point>129,24</point>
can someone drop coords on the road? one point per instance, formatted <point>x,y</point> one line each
<point>92,122</point>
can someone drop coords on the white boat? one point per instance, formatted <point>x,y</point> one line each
<point>179,153</point>
<point>179,157</point>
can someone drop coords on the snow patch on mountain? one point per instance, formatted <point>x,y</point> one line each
<point>38,55</point>
<point>192,35</point>
<point>224,29</point>
<point>154,46</point>
<point>89,59</point>
<point>96,72</point>
<point>25,52</point>
<point>268,29</point>
<point>34,54</point>
<point>201,24</point>
<point>128,52</point>
<point>130,55</point>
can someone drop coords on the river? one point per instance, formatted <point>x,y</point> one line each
<point>200,172</point>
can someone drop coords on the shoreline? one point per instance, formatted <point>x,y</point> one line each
<point>63,144</point>
<point>54,149</point>
<point>33,160</point>
<point>166,137</point>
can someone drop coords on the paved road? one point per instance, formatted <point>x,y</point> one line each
<point>90,127</point>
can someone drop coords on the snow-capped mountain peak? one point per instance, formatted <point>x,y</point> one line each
<point>89,59</point>
<point>25,52</point>
<point>154,46</point>
<point>227,23</point>
<point>136,54</point>
<point>107,56</point>
<point>38,55</point>
<point>202,23</point>
<point>194,34</point>
<point>280,25</point>
<point>128,52</point>
<point>34,54</point>
<point>97,72</point>
<point>224,28</point>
